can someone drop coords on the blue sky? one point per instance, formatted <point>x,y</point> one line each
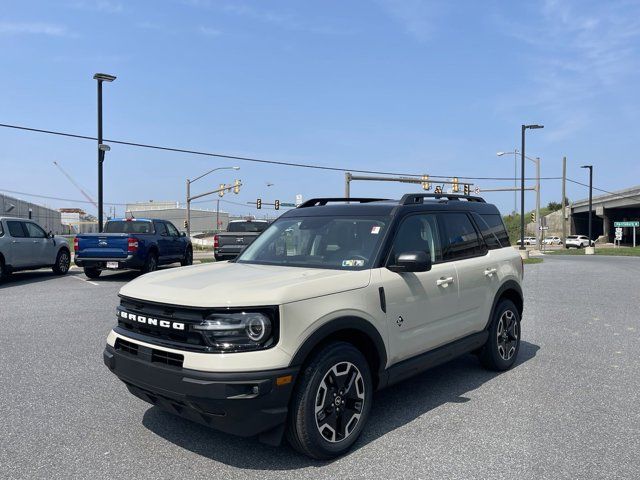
<point>395,85</point>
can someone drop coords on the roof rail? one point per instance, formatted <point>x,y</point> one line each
<point>414,198</point>
<point>318,202</point>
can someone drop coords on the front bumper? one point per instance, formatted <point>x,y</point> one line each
<point>244,404</point>
<point>130,261</point>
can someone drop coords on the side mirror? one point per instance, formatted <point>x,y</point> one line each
<point>411,262</point>
<point>183,234</point>
<point>49,234</point>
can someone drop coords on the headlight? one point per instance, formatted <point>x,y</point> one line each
<point>237,331</point>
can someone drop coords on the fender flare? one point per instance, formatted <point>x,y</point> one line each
<point>509,285</point>
<point>337,325</point>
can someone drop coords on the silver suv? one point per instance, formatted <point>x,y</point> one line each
<point>336,299</point>
<point>24,245</point>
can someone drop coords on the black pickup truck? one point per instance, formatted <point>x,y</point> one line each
<point>239,234</point>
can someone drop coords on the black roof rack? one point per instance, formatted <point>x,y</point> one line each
<point>414,198</point>
<point>317,202</point>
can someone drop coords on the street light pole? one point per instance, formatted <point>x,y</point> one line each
<point>189,197</point>
<point>538,219</point>
<point>101,77</point>
<point>522,155</point>
<point>590,167</point>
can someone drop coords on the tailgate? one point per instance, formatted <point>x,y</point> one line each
<point>110,245</point>
<point>236,238</point>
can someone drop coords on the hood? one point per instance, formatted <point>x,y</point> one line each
<point>224,284</point>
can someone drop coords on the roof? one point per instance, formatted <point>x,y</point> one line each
<point>387,207</point>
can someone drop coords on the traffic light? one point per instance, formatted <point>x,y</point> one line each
<point>456,187</point>
<point>186,224</point>
<point>259,203</point>
<point>236,186</point>
<point>467,188</point>
<point>425,183</point>
<point>533,217</point>
<point>276,204</point>
<point>222,188</point>
<point>438,189</point>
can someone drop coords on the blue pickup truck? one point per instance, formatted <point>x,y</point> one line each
<point>132,243</point>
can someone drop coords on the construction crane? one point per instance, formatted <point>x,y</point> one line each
<point>85,194</point>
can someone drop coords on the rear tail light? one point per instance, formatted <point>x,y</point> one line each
<point>216,241</point>
<point>132,245</point>
<point>75,244</point>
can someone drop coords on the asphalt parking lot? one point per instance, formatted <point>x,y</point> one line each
<point>569,409</point>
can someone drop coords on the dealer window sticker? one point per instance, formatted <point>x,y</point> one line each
<point>375,230</point>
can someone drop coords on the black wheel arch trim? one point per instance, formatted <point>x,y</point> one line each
<point>340,324</point>
<point>508,286</point>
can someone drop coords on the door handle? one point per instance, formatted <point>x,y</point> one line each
<point>14,241</point>
<point>444,281</point>
<point>490,271</point>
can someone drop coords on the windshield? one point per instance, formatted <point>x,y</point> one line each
<point>342,243</point>
<point>247,226</point>
<point>122,226</point>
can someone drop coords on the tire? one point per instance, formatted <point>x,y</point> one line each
<point>188,257</point>
<point>151,263</point>
<point>4,270</point>
<point>337,367</point>
<point>502,347</point>
<point>92,272</point>
<point>63,262</point>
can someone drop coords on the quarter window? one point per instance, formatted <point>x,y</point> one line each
<point>493,230</point>
<point>16,230</point>
<point>418,233</point>
<point>460,237</point>
<point>34,230</point>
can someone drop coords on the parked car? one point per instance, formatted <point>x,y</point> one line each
<point>239,234</point>
<point>552,241</point>
<point>577,241</point>
<point>128,243</point>
<point>330,303</point>
<point>24,245</point>
<point>528,241</point>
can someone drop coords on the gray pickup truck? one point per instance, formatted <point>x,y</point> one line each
<point>24,245</point>
<point>239,234</point>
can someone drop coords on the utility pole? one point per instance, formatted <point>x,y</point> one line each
<point>347,184</point>
<point>101,77</point>
<point>188,208</point>
<point>522,156</point>
<point>217,215</point>
<point>590,167</point>
<point>538,219</point>
<point>564,201</point>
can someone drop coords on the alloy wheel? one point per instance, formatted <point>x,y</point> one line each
<point>508,334</point>
<point>64,262</point>
<point>339,402</point>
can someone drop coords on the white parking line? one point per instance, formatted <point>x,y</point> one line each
<point>85,280</point>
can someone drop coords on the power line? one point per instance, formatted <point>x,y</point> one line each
<point>250,159</point>
<point>57,198</point>
<point>604,191</point>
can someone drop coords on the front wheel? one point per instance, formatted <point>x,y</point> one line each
<point>188,257</point>
<point>501,349</point>
<point>331,402</point>
<point>63,262</point>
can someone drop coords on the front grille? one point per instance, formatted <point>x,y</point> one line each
<point>167,358</point>
<point>162,332</point>
<point>127,347</point>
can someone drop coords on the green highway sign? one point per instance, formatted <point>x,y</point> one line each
<point>285,204</point>
<point>634,223</point>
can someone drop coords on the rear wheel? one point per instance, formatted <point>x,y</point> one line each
<point>502,346</point>
<point>92,272</point>
<point>151,264</point>
<point>4,270</point>
<point>331,402</point>
<point>188,257</point>
<point>63,262</point>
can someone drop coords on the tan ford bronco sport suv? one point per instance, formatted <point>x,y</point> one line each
<point>336,299</point>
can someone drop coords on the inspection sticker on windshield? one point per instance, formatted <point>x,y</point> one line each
<point>375,230</point>
<point>353,263</point>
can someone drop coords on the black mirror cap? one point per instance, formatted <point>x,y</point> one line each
<point>418,261</point>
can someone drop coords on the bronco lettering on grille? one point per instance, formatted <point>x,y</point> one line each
<point>151,321</point>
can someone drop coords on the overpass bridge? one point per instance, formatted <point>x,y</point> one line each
<point>621,205</point>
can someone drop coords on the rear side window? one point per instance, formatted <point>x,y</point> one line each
<point>16,230</point>
<point>161,229</point>
<point>123,226</point>
<point>493,230</point>
<point>460,237</point>
<point>1,230</point>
